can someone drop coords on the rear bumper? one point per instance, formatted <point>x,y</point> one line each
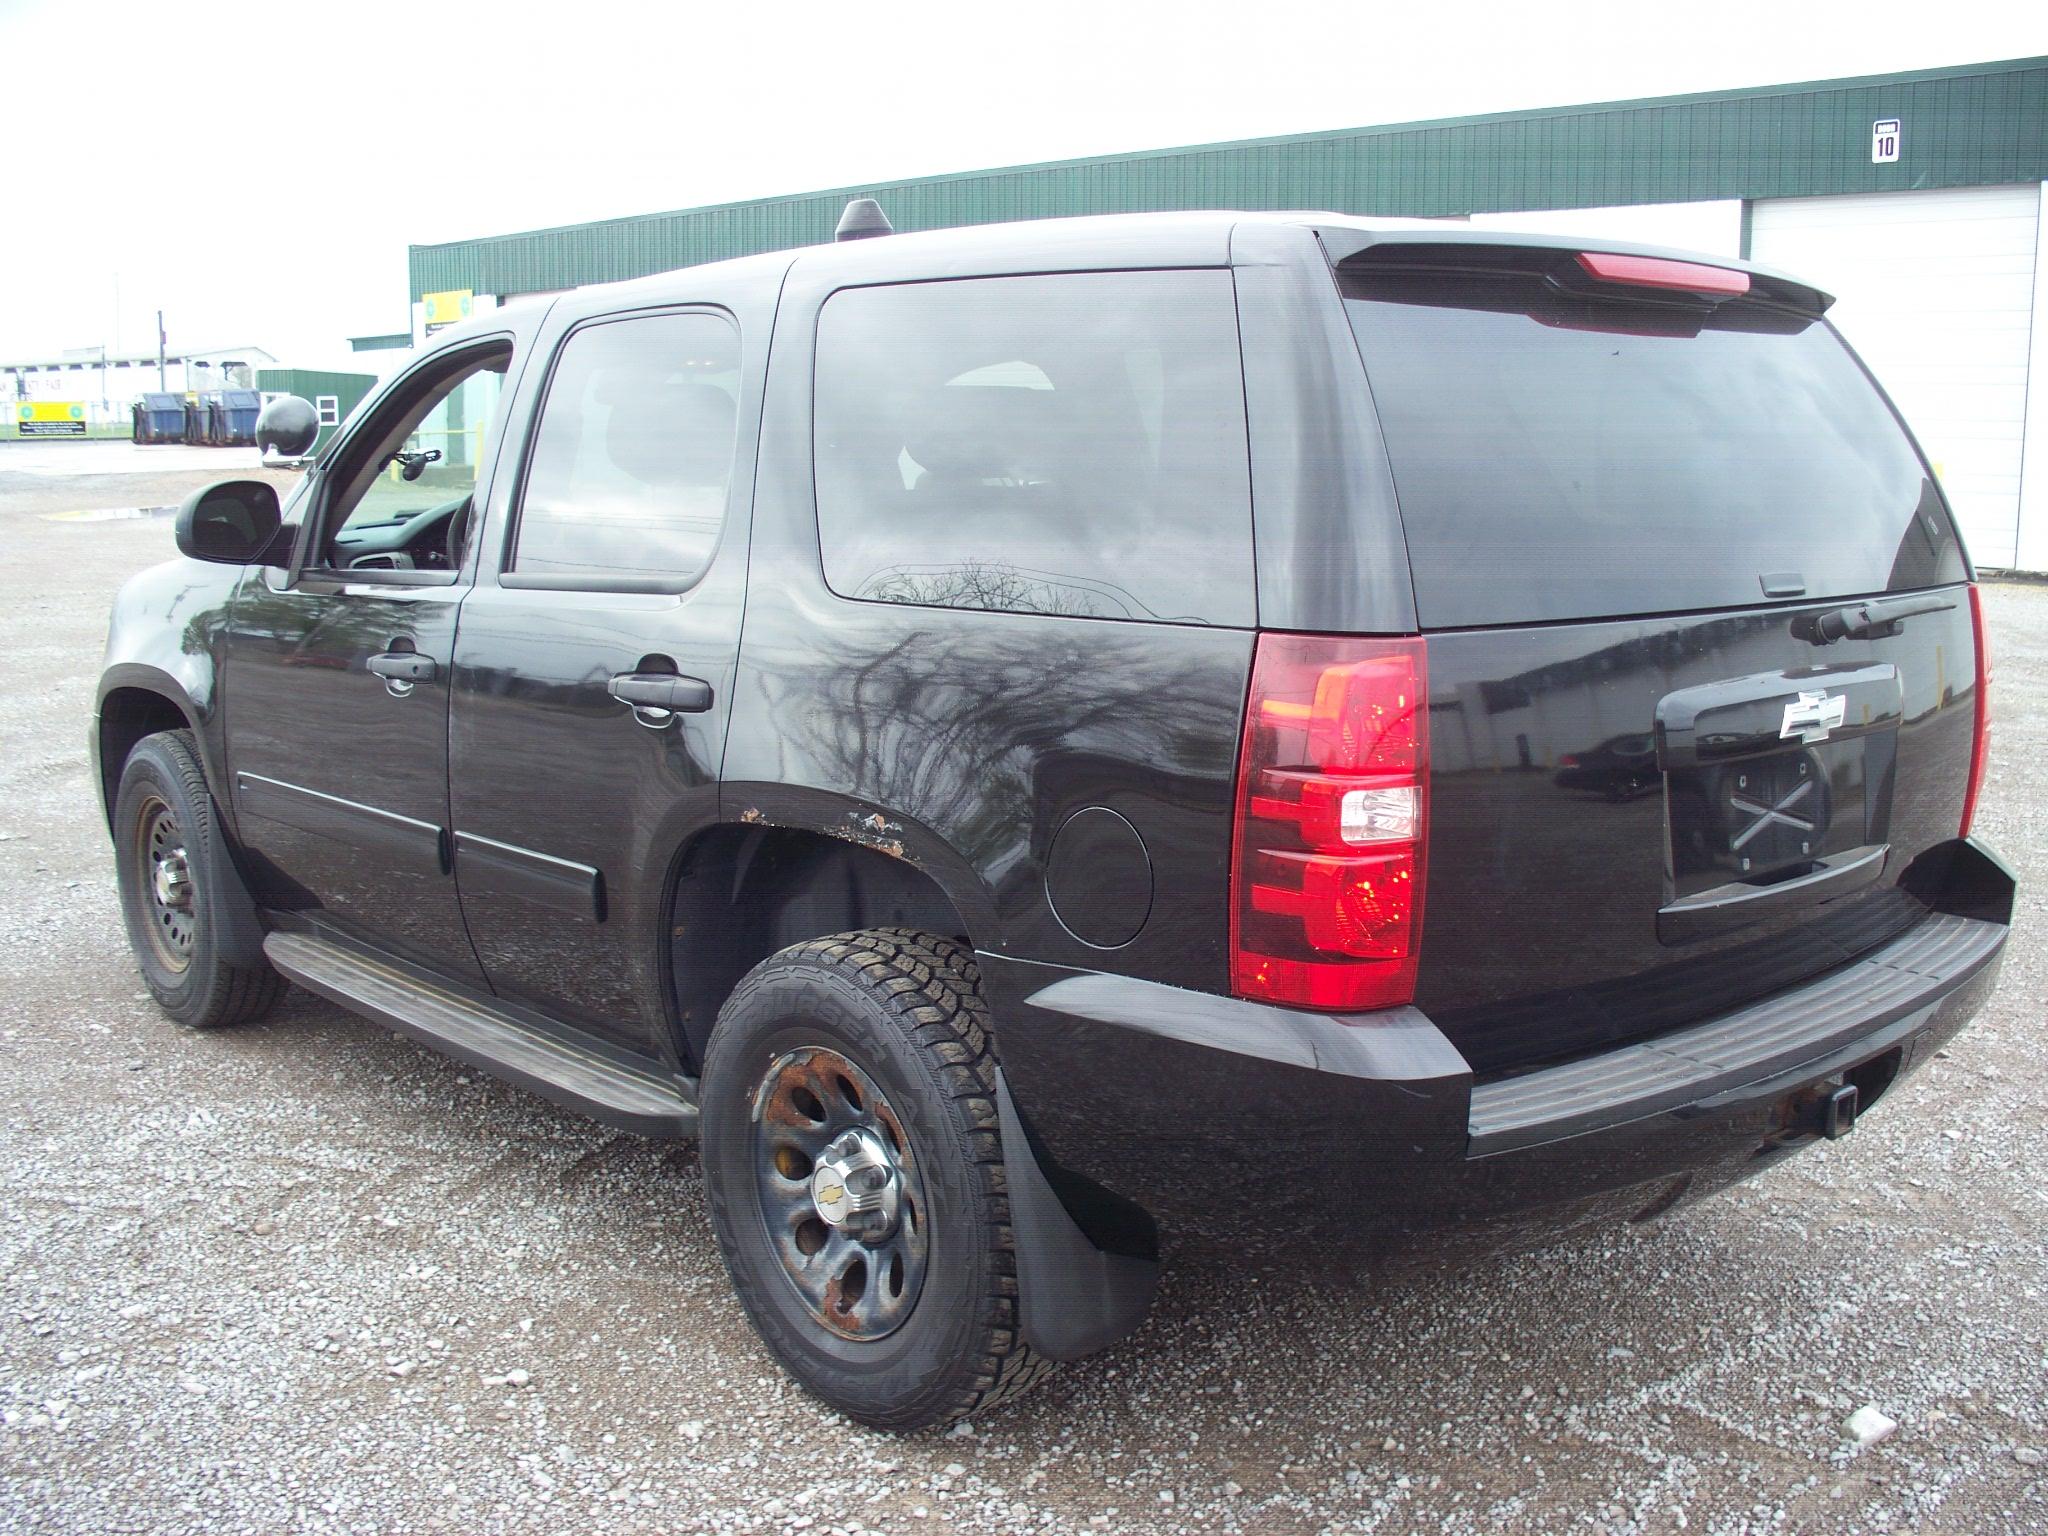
<point>1248,1124</point>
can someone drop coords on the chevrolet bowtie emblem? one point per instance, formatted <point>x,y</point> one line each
<point>1812,716</point>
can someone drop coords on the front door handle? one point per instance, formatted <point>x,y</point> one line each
<point>661,690</point>
<point>404,667</point>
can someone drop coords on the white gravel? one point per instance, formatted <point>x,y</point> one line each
<point>306,1277</point>
<point>1868,1425</point>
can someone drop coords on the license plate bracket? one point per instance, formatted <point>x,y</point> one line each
<point>1766,774</point>
<point>1771,816</point>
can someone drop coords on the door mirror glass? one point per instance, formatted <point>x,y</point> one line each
<point>231,523</point>
<point>287,427</point>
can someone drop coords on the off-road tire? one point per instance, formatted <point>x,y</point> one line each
<point>906,1008</point>
<point>163,771</point>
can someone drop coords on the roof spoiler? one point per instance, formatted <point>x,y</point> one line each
<point>1579,261</point>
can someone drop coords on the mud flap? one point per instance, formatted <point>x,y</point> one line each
<point>1073,1298</point>
<point>237,933</point>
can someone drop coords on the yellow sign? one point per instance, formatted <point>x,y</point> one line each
<point>50,418</point>
<point>446,309</point>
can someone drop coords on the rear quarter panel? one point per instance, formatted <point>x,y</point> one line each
<point>962,740</point>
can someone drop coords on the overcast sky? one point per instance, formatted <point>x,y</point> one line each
<point>257,170</point>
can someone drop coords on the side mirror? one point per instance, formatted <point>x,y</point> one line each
<point>287,427</point>
<point>231,523</point>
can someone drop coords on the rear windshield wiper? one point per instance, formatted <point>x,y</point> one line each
<point>1864,621</point>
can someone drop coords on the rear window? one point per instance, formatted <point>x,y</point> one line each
<point>1070,444</point>
<point>1564,456</point>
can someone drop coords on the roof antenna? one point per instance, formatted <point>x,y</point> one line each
<point>863,220</point>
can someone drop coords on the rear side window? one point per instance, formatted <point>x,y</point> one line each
<point>632,459</point>
<point>1070,444</point>
<point>1564,456</point>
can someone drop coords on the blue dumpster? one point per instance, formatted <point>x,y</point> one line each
<point>195,422</point>
<point>239,408</point>
<point>160,419</point>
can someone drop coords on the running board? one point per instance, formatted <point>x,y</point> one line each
<point>629,1098</point>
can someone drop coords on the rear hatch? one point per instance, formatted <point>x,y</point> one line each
<point>1701,663</point>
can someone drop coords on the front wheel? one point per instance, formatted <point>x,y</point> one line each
<point>164,847</point>
<point>855,1173</point>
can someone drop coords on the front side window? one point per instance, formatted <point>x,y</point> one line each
<point>632,460</point>
<point>1070,444</point>
<point>411,473</point>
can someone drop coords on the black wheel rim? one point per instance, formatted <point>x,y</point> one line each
<point>841,1199</point>
<point>165,894</point>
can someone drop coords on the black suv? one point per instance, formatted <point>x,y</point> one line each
<point>1034,739</point>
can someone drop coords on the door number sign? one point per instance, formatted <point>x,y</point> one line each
<point>1884,141</point>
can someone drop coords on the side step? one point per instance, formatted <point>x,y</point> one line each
<point>647,1103</point>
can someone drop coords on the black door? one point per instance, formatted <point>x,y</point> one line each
<point>338,672</point>
<point>593,671</point>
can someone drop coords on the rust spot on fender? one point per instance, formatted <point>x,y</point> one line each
<point>871,829</point>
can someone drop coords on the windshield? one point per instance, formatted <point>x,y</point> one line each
<point>1562,456</point>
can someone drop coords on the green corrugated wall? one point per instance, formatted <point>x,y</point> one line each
<point>1977,125</point>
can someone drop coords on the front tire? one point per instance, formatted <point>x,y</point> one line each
<point>165,845</point>
<point>855,1173</point>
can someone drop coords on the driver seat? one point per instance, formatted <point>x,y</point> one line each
<point>458,533</point>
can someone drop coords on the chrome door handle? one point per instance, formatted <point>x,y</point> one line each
<point>402,671</point>
<point>661,691</point>
<point>404,667</point>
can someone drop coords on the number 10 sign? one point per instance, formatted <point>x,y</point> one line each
<point>1884,141</point>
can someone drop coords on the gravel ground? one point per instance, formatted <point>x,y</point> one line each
<point>306,1277</point>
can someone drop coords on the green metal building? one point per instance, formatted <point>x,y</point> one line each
<point>1915,197</point>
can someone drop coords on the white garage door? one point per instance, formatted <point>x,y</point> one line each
<point>1935,290</point>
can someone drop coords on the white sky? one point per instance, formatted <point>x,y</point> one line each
<point>257,170</point>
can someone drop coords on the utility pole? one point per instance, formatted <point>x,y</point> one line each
<point>160,385</point>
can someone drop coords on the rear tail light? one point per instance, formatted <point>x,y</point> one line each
<point>1980,749</point>
<point>1332,823</point>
